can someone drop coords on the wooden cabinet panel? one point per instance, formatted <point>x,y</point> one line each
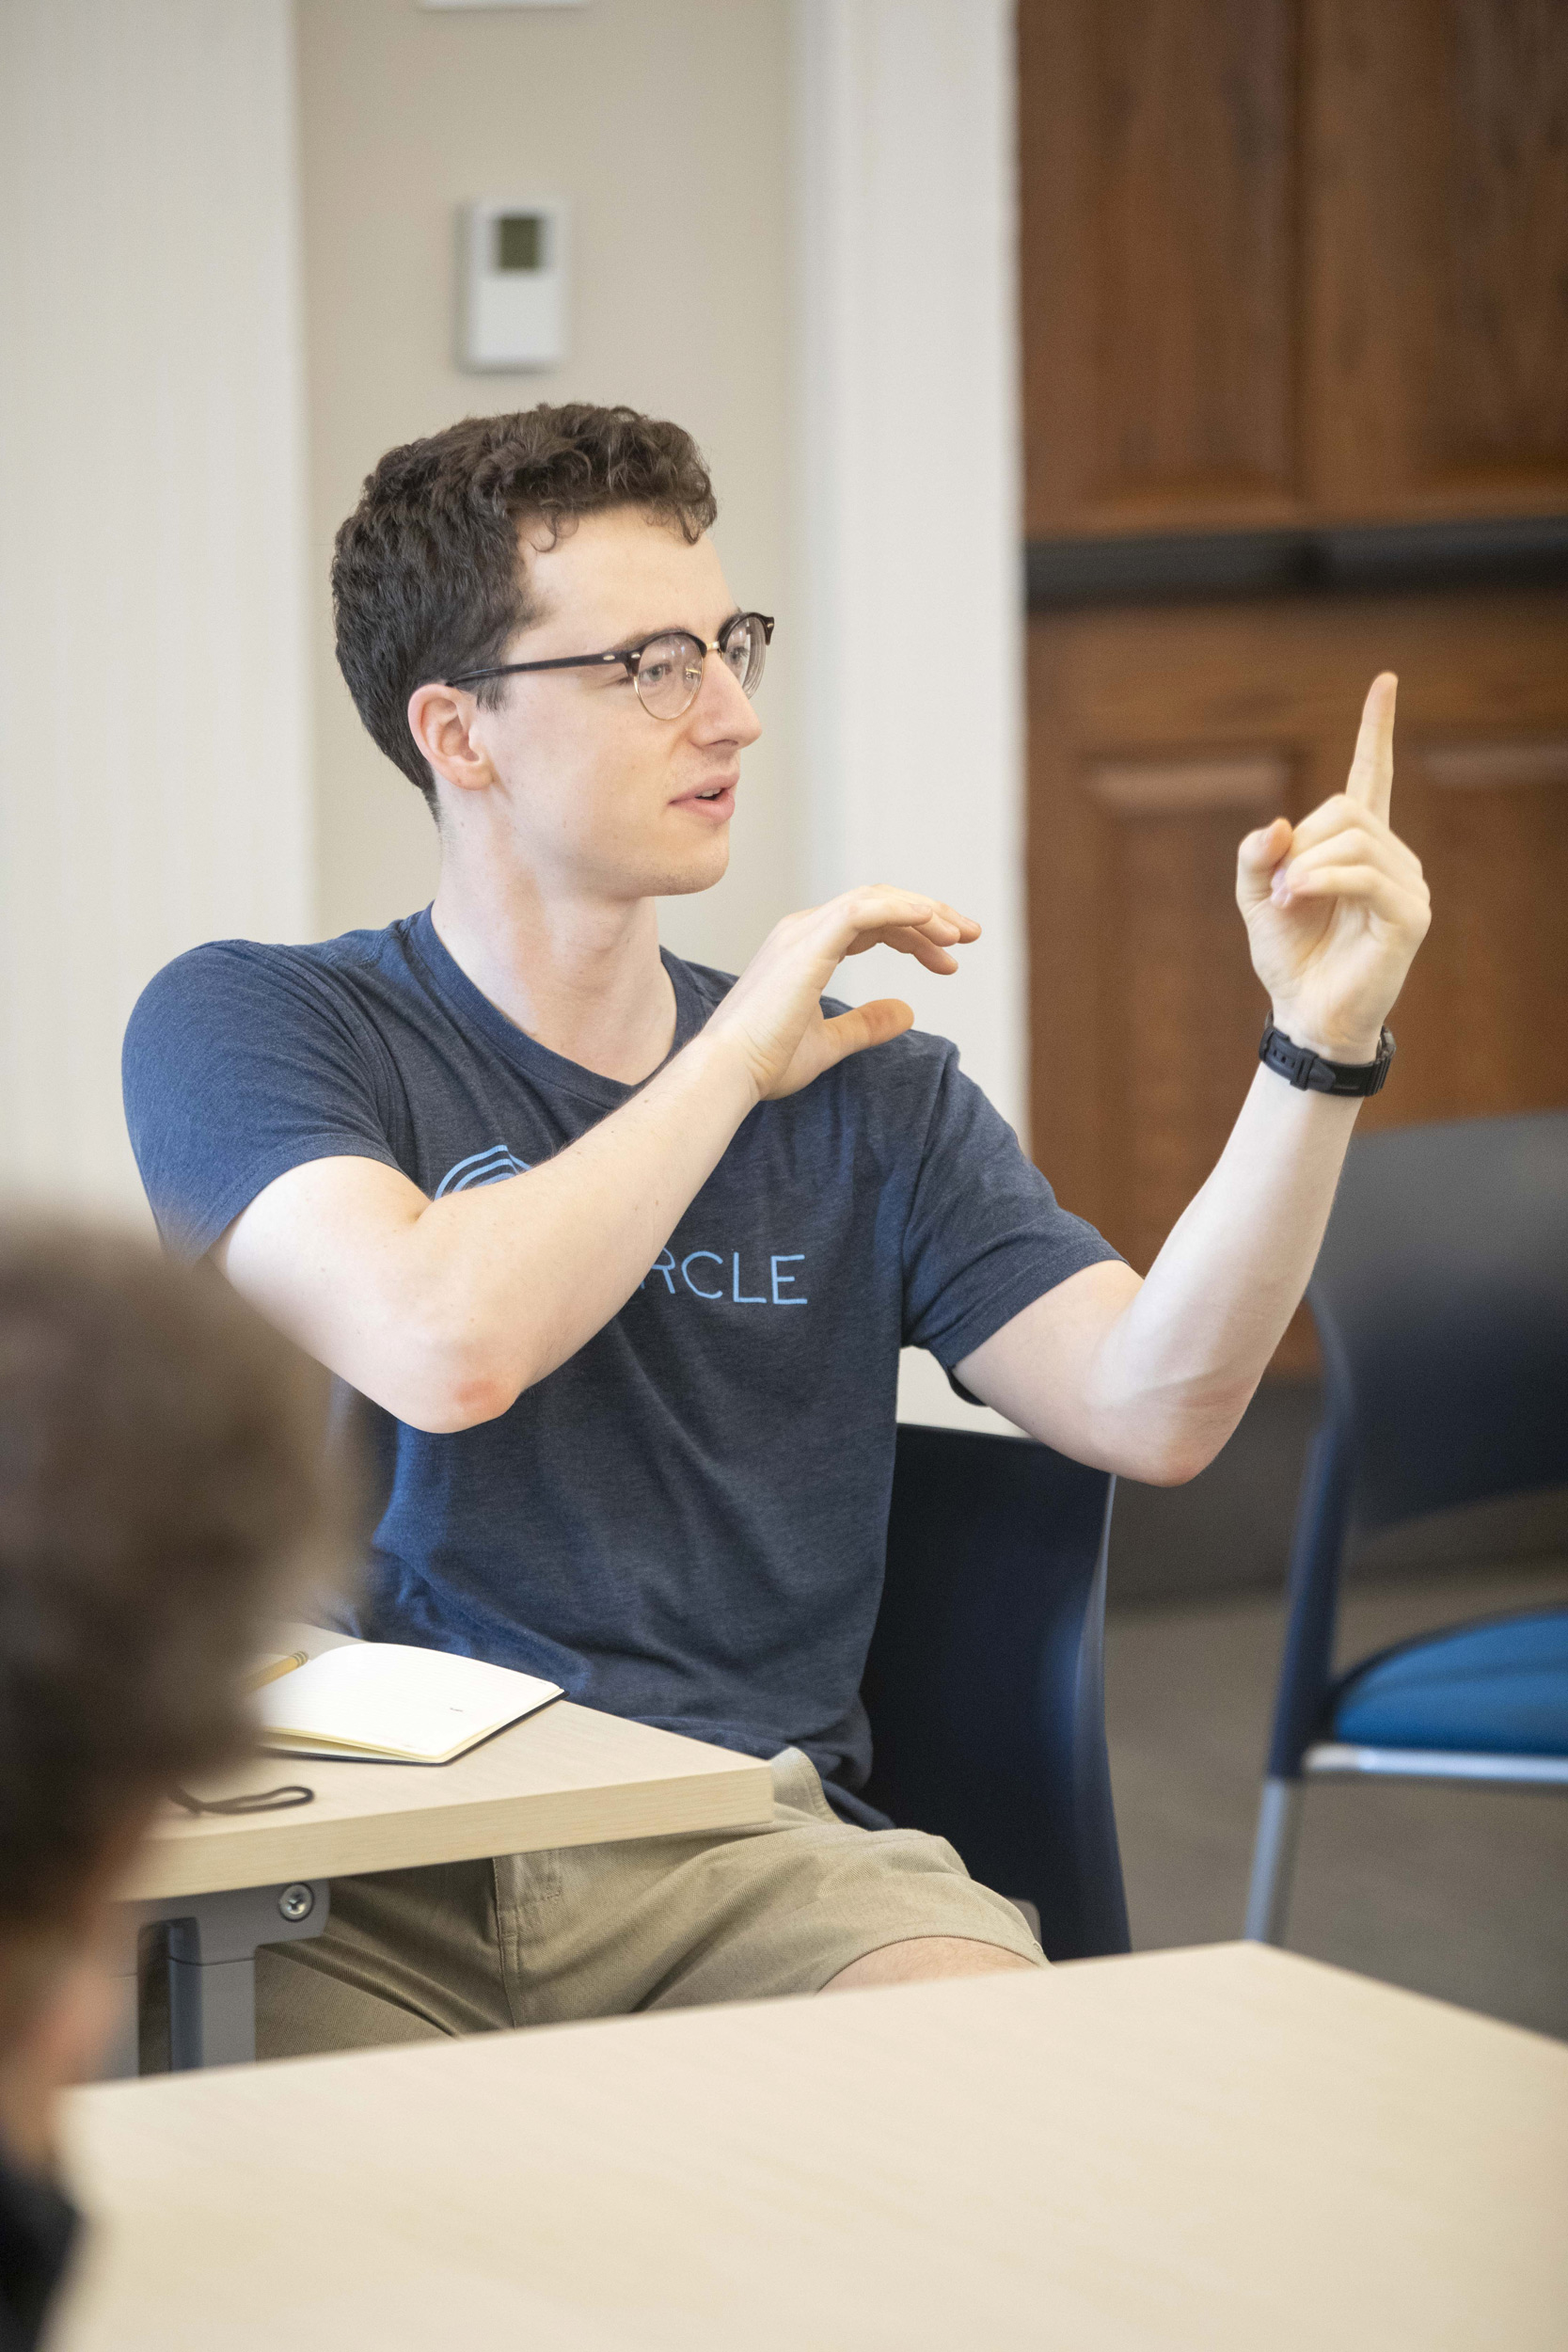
<point>1493,973</point>
<point>1298,263</point>
<point>1292,261</point>
<point>1158,738</point>
<point>1179,1009</point>
<point>1159,192</point>
<point>1436,324</point>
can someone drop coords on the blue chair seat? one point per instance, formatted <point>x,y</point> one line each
<point>1498,1688</point>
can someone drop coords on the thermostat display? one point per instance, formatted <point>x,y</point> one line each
<point>513,307</point>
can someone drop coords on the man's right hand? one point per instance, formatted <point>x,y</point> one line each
<point>773,1017</point>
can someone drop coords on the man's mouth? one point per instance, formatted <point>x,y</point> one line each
<point>717,797</point>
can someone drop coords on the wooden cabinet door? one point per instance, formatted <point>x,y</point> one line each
<point>1435,263</point>
<point>1159,196</point>
<point>1159,736</point>
<point>1288,266</point>
<point>1286,260</point>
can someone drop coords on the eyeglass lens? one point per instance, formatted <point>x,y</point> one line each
<point>670,675</point>
<point>670,672</point>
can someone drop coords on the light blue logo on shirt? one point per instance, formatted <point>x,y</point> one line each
<point>482,1167</point>
<point>729,1282</point>
<point>494,1166</point>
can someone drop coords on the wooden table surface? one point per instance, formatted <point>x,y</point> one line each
<point>567,1776</point>
<point>1230,2147</point>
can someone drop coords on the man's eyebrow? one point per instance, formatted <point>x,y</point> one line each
<point>663,629</point>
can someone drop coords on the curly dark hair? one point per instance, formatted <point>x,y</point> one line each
<point>427,574</point>
<point>164,1487</point>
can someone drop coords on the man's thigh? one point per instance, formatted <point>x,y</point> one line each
<point>407,1956</point>
<point>602,1930</point>
<point>671,1923</point>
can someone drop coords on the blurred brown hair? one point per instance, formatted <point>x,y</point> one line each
<point>164,1487</point>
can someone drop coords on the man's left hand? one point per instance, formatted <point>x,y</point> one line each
<point>1337,908</point>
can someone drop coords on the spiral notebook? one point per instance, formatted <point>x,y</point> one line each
<point>385,1701</point>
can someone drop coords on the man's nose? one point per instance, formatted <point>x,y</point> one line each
<point>723,709</point>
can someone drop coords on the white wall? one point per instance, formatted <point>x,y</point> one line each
<point>908,581</point>
<point>666,128</point>
<point>910,510</point>
<point>153,739</point>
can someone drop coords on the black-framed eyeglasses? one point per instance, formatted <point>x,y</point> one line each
<point>666,670</point>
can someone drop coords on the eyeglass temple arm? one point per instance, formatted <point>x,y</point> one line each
<point>561,661</point>
<point>630,655</point>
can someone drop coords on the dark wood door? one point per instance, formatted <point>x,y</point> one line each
<point>1295,302</point>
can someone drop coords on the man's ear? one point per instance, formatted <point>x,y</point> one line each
<point>441,720</point>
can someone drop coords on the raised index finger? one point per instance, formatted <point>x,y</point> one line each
<point>1371,771</point>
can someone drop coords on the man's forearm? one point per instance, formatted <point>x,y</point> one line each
<point>1175,1368</point>
<point>1150,1378</point>
<point>443,1312</point>
<point>523,1273</point>
<point>538,1264</point>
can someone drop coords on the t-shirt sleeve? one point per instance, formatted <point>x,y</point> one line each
<point>986,1235</point>
<point>239,1064</point>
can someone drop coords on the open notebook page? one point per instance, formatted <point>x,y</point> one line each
<point>385,1699</point>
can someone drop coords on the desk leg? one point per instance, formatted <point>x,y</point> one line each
<point>123,2051</point>
<point>211,1965</point>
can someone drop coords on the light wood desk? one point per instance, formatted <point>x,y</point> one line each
<point>567,1776</point>
<point>230,1883</point>
<point>1179,2152</point>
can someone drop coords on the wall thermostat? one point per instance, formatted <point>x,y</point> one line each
<point>514,296</point>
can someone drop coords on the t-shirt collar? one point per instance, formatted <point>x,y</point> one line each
<point>474,1012</point>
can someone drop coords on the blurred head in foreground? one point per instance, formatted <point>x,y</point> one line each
<point>165,1488</point>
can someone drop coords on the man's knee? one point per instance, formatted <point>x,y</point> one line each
<point>923,1959</point>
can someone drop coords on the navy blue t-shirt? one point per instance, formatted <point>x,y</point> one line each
<point>685,1522</point>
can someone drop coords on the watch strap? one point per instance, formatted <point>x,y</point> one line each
<point>1300,1067</point>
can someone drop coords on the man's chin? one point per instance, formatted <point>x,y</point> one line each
<point>688,875</point>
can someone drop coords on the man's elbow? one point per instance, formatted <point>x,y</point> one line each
<point>466,1405</point>
<point>454,1387</point>
<point>1175,1454</point>
<point>1171,1464</point>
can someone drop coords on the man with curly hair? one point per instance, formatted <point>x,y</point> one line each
<point>620,1252</point>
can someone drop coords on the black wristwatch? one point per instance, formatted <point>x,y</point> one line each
<point>1311,1072</point>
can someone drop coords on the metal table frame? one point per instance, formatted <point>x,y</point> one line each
<point>213,1942</point>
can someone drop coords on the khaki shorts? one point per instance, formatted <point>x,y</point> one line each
<point>537,1939</point>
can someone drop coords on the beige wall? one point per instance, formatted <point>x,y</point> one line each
<point>154,784</point>
<point>666,128</point>
<point>913,765</point>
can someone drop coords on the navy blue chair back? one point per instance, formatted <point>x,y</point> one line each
<point>1441,1301</point>
<point>984,1682</point>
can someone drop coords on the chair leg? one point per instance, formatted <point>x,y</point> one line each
<point>1274,1860</point>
